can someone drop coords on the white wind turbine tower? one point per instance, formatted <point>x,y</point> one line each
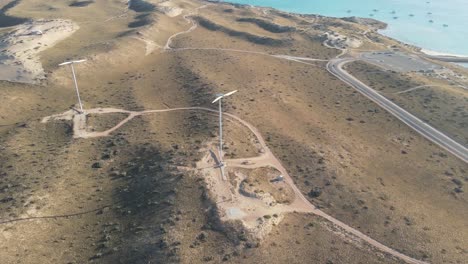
<point>219,99</point>
<point>74,79</point>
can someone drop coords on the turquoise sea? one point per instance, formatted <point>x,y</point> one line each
<point>438,25</point>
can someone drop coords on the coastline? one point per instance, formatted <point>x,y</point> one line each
<point>458,60</point>
<point>437,53</point>
<point>429,52</point>
<point>335,109</point>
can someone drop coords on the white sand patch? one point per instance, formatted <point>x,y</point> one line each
<point>169,9</point>
<point>341,41</point>
<point>436,53</point>
<point>19,60</point>
<point>150,45</point>
<point>239,210</point>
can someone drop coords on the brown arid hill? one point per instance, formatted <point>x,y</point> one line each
<point>122,185</point>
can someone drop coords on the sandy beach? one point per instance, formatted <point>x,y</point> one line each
<point>447,57</point>
<point>436,53</point>
<point>338,147</point>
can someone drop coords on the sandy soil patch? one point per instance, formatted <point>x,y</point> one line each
<point>238,208</point>
<point>266,182</point>
<point>19,61</point>
<point>170,9</point>
<point>335,39</point>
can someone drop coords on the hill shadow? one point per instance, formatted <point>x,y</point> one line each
<point>9,21</point>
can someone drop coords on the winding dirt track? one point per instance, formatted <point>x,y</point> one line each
<point>189,21</point>
<point>416,88</point>
<point>266,158</point>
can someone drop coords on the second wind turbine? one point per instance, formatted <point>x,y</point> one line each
<point>219,99</point>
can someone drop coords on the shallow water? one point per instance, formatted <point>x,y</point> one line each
<point>416,29</point>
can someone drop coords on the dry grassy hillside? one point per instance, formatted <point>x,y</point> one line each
<point>135,197</point>
<point>440,103</point>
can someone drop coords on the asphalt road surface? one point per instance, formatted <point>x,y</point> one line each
<point>335,67</point>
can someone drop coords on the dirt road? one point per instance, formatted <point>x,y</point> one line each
<point>266,158</point>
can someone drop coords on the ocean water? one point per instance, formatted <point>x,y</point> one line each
<point>438,25</point>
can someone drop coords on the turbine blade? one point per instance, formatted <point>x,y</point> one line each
<point>65,63</point>
<point>70,62</point>
<point>233,92</point>
<point>217,99</point>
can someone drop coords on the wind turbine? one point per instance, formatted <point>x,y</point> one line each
<point>219,99</point>
<point>74,78</point>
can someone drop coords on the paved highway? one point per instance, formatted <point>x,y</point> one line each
<point>335,67</point>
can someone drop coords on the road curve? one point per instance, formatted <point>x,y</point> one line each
<point>335,67</point>
<point>80,131</point>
